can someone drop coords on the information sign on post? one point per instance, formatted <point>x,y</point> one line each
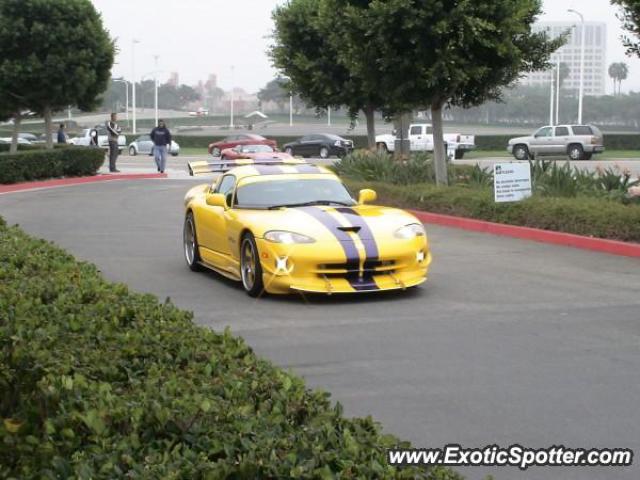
<point>511,181</point>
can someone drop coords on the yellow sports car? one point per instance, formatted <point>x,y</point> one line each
<point>282,226</point>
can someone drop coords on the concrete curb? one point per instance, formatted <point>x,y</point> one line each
<point>65,182</point>
<point>614,247</point>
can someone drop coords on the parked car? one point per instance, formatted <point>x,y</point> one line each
<point>421,138</point>
<point>144,145</point>
<point>29,137</point>
<point>322,145</point>
<point>21,141</point>
<point>255,152</point>
<point>231,141</point>
<point>579,142</point>
<point>103,140</point>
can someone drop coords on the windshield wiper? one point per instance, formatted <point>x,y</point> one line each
<point>311,204</point>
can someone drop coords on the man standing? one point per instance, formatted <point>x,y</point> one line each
<point>161,138</point>
<point>62,136</point>
<point>113,133</point>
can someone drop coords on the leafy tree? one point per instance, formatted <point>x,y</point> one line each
<point>53,53</point>
<point>437,53</point>
<point>618,71</point>
<point>630,16</point>
<point>306,51</point>
<point>275,91</point>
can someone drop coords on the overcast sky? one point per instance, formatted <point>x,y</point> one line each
<point>199,37</point>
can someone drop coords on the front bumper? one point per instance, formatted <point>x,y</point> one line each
<point>320,268</point>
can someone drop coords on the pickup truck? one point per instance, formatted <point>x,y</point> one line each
<point>421,137</point>
<point>103,141</point>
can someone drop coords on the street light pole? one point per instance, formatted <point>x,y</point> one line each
<point>551,101</point>
<point>232,96</point>
<point>329,116</point>
<point>558,92</point>
<point>581,94</point>
<point>156,91</point>
<point>126,86</point>
<point>290,109</point>
<point>133,82</point>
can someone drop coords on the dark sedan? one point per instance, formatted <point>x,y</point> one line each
<point>322,145</point>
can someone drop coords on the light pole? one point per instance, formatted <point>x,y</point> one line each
<point>155,94</point>
<point>291,109</point>
<point>126,86</point>
<point>581,94</point>
<point>551,101</point>
<point>558,92</point>
<point>329,116</point>
<point>232,96</point>
<point>133,82</point>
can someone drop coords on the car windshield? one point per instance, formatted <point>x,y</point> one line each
<point>256,149</point>
<point>293,193</point>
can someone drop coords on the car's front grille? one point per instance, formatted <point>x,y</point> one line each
<point>370,267</point>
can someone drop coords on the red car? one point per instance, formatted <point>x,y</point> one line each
<point>231,141</point>
<point>254,152</point>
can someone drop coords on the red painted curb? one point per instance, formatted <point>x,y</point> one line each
<point>63,182</point>
<point>544,236</point>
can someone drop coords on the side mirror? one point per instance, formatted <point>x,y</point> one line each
<point>216,200</point>
<point>367,196</point>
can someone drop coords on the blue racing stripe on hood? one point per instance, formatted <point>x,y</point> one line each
<point>366,235</point>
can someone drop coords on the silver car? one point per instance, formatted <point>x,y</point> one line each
<point>143,145</point>
<point>579,142</point>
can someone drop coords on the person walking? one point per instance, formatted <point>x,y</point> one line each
<point>161,138</point>
<point>62,136</point>
<point>113,133</point>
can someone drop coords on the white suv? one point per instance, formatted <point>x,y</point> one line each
<point>579,142</point>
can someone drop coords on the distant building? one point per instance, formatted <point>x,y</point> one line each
<point>174,79</point>
<point>595,56</point>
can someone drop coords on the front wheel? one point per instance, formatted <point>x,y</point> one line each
<point>459,154</point>
<point>250,267</point>
<point>132,151</point>
<point>324,153</point>
<point>190,242</point>
<point>215,152</point>
<point>521,152</point>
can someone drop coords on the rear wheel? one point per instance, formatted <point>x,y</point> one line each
<point>132,151</point>
<point>575,152</point>
<point>459,154</point>
<point>250,268</point>
<point>190,242</point>
<point>215,152</point>
<point>324,152</point>
<point>521,152</point>
<point>288,151</point>
<point>382,147</point>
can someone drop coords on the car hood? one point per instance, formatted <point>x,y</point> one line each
<point>519,140</point>
<point>324,223</point>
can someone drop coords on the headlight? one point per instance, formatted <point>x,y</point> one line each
<point>288,238</point>
<point>338,143</point>
<point>410,231</point>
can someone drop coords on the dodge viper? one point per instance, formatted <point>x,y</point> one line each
<point>286,226</point>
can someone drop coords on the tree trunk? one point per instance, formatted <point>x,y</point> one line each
<point>48,127</point>
<point>439,152</point>
<point>16,129</point>
<point>370,115</point>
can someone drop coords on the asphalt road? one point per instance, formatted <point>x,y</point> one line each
<point>509,342</point>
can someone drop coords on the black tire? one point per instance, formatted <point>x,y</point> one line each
<point>132,151</point>
<point>215,152</point>
<point>190,243</point>
<point>174,154</point>
<point>459,154</point>
<point>324,152</point>
<point>575,152</point>
<point>288,151</point>
<point>521,152</point>
<point>250,267</point>
<point>382,147</point>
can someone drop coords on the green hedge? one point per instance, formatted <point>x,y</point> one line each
<point>612,141</point>
<point>40,164</point>
<point>99,382</point>
<point>582,215</point>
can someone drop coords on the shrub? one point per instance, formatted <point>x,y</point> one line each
<point>597,217</point>
<point>44,164</point>
<point>98,382</point>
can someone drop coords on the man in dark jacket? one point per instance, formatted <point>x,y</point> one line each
<point>161,138</point>
<point>113,133</point>
<point>62,136</point>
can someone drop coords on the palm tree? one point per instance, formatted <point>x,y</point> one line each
<point>618,72</point>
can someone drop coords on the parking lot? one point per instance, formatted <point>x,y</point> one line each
<point>510,341</point>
